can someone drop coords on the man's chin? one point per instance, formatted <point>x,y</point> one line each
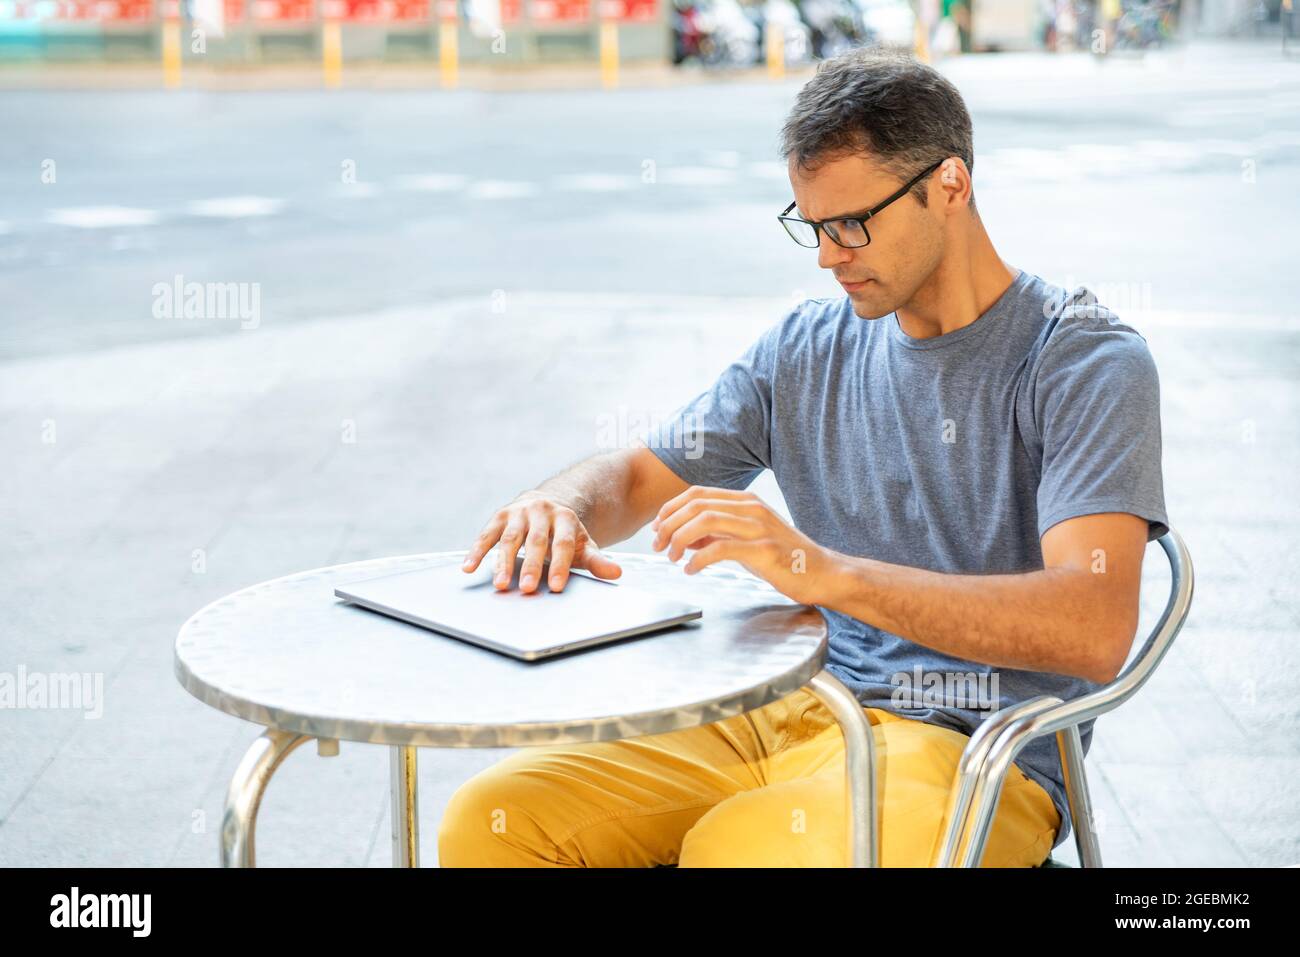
<point>869,309</point>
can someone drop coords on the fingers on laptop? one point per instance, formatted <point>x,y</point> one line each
<point>553,538</point>
<point>487,538</point>
<point>598,563</point>
<point>564,541</point>
<point>511,539</point>
<point>539,535</point>
<point>502,535</point>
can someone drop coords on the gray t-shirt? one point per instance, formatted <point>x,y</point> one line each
<point>953,454</point>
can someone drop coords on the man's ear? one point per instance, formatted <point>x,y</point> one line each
<point>954,178</point>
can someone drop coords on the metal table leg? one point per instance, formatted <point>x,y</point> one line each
<point>405,809</point>
<point>245,793</point>
<point>863,804</point>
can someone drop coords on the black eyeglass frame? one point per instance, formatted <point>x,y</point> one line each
<point>783,218</point>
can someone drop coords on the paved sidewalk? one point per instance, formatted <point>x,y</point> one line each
<point>229,453</point>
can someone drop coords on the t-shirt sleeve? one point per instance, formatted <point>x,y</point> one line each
<point>1097,408</point>
<point>722,437</point>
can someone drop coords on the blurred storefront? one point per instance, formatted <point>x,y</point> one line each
<point>714,32</point>
<point>253,31</point>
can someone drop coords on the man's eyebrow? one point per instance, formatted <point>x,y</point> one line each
<point>856,214</point>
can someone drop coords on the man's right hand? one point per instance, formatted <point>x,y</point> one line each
<point>540,525</point>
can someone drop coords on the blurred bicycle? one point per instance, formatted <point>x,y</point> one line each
<point>1146,24</point>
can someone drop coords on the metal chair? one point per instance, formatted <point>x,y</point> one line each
<point>994,745</point>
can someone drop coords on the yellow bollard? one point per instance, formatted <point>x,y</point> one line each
<point>608,54</point>
<point>775,43</point>
<point>171,53</point>
<point>921,43</point>
<point>331,51</point>
<point>447,53</point>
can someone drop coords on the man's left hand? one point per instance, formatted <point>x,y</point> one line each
<point>720,524</point>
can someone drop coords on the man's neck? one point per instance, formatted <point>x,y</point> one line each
<point>961,289</point>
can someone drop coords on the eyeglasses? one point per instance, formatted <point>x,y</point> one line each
<point>850,231</point>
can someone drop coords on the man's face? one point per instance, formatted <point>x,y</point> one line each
<point>906,238</point>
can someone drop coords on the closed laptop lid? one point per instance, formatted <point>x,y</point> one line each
<point>587,612</point>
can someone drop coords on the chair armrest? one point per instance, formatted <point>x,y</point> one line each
<point>984,764</point>
<point>972,770</point>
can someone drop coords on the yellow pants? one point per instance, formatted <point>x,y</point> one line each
<point>762,789</point>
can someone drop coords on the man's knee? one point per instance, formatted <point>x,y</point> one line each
<point>487,824</point>
<point>790,825</point>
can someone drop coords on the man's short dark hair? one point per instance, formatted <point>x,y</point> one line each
<point>901,111</point>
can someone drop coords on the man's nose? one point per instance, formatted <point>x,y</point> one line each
<point>830,253</point>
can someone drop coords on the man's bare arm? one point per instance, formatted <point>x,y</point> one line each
<point>615,493</point>
<point>565,520</point>
<point>1076,616</point>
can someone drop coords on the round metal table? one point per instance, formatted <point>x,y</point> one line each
<point>289,655</point>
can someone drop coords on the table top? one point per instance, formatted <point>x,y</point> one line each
<point>287,654</point>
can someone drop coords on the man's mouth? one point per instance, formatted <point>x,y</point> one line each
<point>855,286</point>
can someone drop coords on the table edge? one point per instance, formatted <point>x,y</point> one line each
<point>605,728</point>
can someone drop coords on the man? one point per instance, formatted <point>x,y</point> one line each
<point>971,459</point>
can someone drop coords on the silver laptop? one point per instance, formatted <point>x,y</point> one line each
<point>586,613</point>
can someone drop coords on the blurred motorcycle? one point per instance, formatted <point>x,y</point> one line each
<point>714,33</point>
<point>836,26</point>
<point>689,36</point>
<point>796,35</point>
<point>1145,24</point>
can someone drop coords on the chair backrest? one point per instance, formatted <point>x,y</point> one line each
<point>972,805</point>
<point>1139,669</point>
<point>1141,666</point>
